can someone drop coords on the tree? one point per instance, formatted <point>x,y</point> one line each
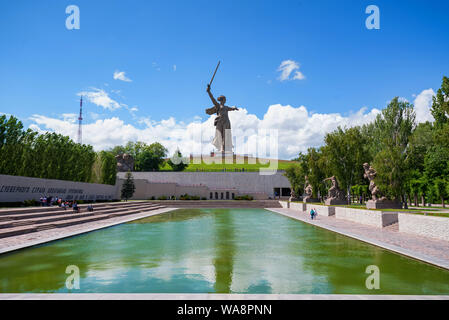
<point>177,162</point>
<point>440,105</point>
<point>440,189</point>
<point>316,164</point>
<point>48,155</point>
<point>440,111</point>
<point>295,175</point>
<point>395,126</point>
<point>414,188</point>
<point>146,157</point>
<point>420,141</point>
<point>128,187</point>
<point>423,186</point>
<point>346,154</point>
<point>436,162</point>
<point>151,157</point>
<point>108,168</point>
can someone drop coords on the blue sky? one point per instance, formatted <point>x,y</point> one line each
<point>346,66</point>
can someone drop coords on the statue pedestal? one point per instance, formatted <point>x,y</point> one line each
<point>383,204</point>
<point>335,202</point>
<point>223,154</point>
<point>310,200</point>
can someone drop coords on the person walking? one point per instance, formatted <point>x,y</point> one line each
<point>312,213</point>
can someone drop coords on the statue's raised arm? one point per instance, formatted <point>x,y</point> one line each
<point>211,96</point>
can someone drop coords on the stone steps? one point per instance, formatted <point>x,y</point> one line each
<point>10,218</point>
<point>74,219</point>
<point>67,215</point>
<point>14,211</point>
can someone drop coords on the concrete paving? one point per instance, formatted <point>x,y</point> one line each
<point>208,296</point>
<point>429,250</point>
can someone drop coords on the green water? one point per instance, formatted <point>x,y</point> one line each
<point>216,250</point>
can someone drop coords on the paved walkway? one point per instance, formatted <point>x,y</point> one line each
<point>430,250</point>
<point>31,239</point>
<point>207,296</point>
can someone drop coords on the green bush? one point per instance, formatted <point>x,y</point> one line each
<point>245,197</point>
<point>188,197</point>
<point>31,203</point>
<point>162,198</point>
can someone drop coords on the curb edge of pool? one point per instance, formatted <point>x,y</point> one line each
<point>210,296</point>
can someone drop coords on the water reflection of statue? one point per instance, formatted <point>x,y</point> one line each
<point>308,190</point>
<point>223,136</point>
<point>224,243</point>
<point>370,174</point>
<point>334,194</point>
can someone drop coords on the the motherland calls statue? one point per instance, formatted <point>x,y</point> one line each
<point>335,196</point>
<point>223,136</point>
<point>125,162</point>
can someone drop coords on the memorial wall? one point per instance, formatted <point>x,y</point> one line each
<point>18,189</point>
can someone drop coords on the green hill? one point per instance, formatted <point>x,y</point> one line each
<point>249,164</point>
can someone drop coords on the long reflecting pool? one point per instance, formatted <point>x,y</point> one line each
<point>216,250</point>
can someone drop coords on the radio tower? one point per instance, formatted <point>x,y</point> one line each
<point>80,123</point>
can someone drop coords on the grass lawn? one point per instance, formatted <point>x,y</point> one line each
<point>429,212</point>
<point>217,167</point>
<point>435,214</point>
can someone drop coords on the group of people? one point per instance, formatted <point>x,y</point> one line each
<point>50,201</point>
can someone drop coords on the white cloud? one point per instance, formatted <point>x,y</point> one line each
<point>287,67</point>
<point>298,129</point>
<point>70,117</point>
<point>174,67</point>
<point>120,75</point>
<point>423,104</point>
<point>100,98</point>
<point>156,66</point>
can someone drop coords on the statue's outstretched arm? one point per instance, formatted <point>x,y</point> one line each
<point>211,96</point>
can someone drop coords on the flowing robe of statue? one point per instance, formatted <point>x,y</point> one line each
<point>223,137</point>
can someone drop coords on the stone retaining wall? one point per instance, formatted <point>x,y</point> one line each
<point>321,210</point>
<point>258,185</point>
<point>299,206</point>
<point>428,226</point>
<point>19,189</point>
<point>378,219</point>
<point>284,204</point>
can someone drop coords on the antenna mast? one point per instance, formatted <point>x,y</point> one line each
<point>80,122</point>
